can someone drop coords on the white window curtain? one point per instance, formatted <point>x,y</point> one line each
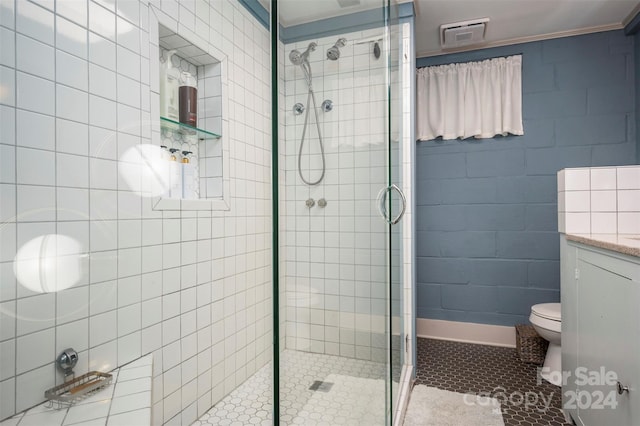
<point>472,99</point>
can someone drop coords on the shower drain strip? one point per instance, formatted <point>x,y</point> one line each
<point>321,386</point>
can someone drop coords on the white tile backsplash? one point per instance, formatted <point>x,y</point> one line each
<point>603,178</point>
<point>628,222</point>
<point>613,201</point>
<point>629,177</point>
<point>577,180</point>
<point>604,223</point>
<point>629,200</point>
<point>603,201</point>
<point>578,223</point>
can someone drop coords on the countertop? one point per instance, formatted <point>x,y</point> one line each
<point>628,244</point>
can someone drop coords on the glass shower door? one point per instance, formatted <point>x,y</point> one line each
<point>337,261</point>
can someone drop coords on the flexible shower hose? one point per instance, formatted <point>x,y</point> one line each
<point>311,97</point>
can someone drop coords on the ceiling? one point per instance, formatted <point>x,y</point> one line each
<point>511,21</point>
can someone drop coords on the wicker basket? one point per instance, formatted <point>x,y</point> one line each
<point>529,345</point>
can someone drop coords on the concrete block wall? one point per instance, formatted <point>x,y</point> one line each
<point>487,240</point>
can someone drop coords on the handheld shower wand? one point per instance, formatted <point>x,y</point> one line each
<point>302,60</point>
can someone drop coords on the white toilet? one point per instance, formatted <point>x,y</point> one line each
<point>546,319</point>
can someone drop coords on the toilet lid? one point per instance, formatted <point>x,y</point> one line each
<point>547,310</point>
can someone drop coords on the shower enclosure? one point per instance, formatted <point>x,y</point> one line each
<point>342,204</point>
<point>342,311</point>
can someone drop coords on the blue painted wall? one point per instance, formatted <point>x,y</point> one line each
<point>487,241</point>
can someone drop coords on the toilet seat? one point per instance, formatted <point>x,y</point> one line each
<point>549,311</point>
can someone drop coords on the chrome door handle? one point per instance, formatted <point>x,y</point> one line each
<point>404,204</point>
<point>382,196</point>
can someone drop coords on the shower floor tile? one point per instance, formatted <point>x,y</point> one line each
<point>492,371</point>
<point>355,396</point>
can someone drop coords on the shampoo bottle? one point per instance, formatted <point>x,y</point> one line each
<point>175,175</point>
<point>169,89</point>
<point>189,189</point>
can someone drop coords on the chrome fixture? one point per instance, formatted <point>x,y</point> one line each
<point>298,108</point>
<point>322,203</point>
<point>298,58</point>
<point>382,207</point>
<point>376,50</point>
<point>302,59</point>
<point>310,202</point>
<point>333,53</point>
<point>375,43</point>
<point>67,360</point>
<point>327,105</point>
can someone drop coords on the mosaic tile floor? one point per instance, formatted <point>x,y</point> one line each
<point>356,396</point>
<point>492,371</point>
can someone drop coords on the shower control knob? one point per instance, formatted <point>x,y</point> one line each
<point>298,108</point>
<point>327,105</point>
<point>310,202</point>
<point>322,202</point>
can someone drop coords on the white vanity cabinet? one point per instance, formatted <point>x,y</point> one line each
<point>600,295</point>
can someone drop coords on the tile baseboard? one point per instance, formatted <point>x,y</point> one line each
<point>467,332</point>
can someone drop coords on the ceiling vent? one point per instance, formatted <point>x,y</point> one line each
<point>463,33</point>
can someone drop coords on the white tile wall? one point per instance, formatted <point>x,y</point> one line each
<point>79,82</point>
<point>599,200</point>
<point>334,257</point>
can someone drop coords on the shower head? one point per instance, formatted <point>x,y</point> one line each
<point>298,58</point>
<point>333,53</point>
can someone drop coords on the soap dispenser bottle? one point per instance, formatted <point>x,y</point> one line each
<point>175,174</point>
<point>188,95</point>
<point>165,170</point>
<point>169,89</point>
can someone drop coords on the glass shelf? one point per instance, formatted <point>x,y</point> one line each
<point>186,130</point>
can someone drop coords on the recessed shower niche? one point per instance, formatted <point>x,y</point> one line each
<point>191,130</point>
